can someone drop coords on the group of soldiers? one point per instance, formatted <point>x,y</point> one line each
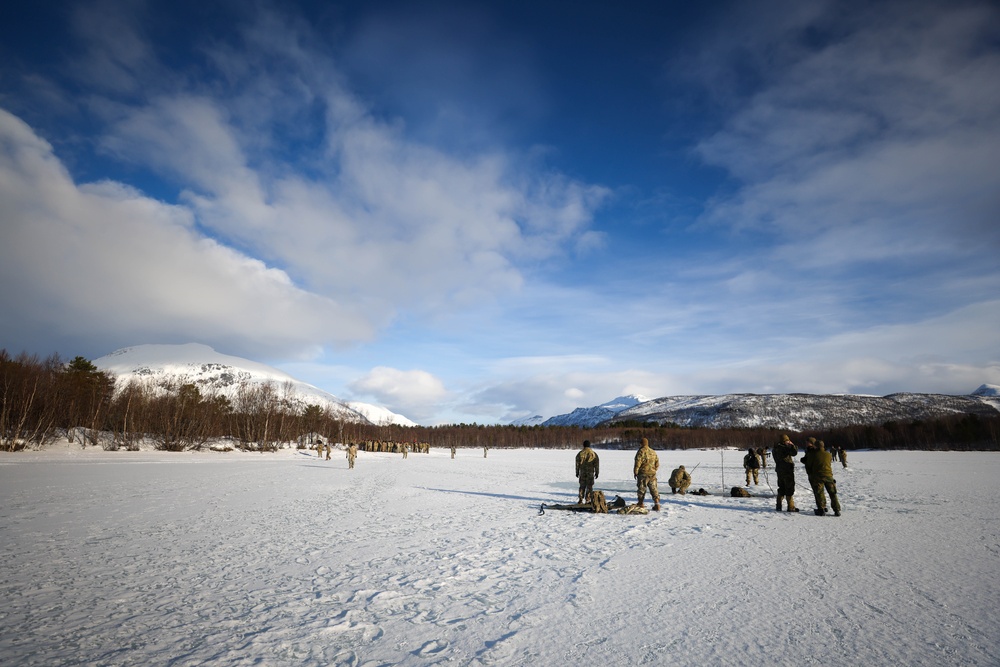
<point>644,470</point>
<point>817,460</point>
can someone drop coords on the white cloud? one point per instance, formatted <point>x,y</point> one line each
<point>415,394</point>
<point>103,263</point>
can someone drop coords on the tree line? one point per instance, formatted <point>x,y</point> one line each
<point>45,399</point>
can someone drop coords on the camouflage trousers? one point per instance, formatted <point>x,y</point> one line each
<point>829,485</point>
<point>786,479</point>
<point>644,483</point>
<point>752,472</point>
<point>350,462</point>
<point>586,485</point>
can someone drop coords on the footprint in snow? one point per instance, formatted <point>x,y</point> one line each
<point>432,647</point>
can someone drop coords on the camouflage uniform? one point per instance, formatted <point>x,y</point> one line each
<point>453,451</point>
<point>647,463</point>
<point>843,456</point>
<point>352,453</point>
<point>680,480</point>
<point>784,465</point>
<point>588,468</point>
<point>818,462</point>
<point>752,465</point>
<point>329,449</point>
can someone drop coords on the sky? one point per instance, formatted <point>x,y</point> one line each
<point>482,211</point>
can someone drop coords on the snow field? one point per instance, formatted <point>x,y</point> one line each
<point>140,558</point>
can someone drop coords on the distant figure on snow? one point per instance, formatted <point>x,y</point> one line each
<point>352,453</point>
<point>647,463</point>
<point>752,465</point>
<point>588,468</point>
<point>818,462</point>
<point>453,451</point>
<point>680,480</point>
<point>784,464</point>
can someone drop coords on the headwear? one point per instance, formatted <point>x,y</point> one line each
<point>586,443</point>
<point>681,467</point>
<point>645,442</point>
<point>785,438</point>
<point>812,439</point>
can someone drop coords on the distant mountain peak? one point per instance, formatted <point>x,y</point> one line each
<point>213,372</point>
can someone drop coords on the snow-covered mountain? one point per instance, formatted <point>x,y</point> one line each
<point>587,417</point>
<point>801,412</point>
<point>989,394</point>
<point>213,372</point>
<point>534,420</point>
<point>795,412</point>
<point>379,415</point>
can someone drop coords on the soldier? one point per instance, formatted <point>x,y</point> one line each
<point>352,453</point>
<point>453,451</point>
<point>762,455</point>
<point>843,456</point>
<point>485,450</point>
<point>679,480</point>
<point>329,449</point>
<point>647,463</point>
<point>818,462</point>
<point>784,464</point>
<point>406,450</point>
<point>588,468</point>
<point>319,447</point>
<point>752,466</point>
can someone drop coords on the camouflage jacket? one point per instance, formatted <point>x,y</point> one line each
<point>784,453</point>
<point>818,464</point>
<point>587,462</point>
<point>646,463</point>
<point>679,477</point>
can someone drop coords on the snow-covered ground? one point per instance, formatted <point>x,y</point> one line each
<point>147,558</point>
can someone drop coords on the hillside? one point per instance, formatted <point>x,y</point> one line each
<point>213,372</point>
<point>801,412</point>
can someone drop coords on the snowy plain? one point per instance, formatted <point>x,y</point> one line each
<point>150,558</point>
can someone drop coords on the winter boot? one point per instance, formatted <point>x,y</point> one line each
<point>656,504</point>
<point>791,505</point>
<point>642,499</point>
<point>819,511</point>
<point>779,503</point>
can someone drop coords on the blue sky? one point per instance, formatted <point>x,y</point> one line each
<point>480,211</point>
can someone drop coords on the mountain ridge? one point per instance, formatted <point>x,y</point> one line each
<point>224,374</point>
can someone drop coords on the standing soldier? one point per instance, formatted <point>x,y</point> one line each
<point>406,450</point>
<point>485,449</point>
<point>680,480</point>
<point>784,464</point>
<point>329,449</point>
<point>762,454</point>
<point>843,455</point>
<point>319,447</point>
<point>818,468</point>
<point>588,468</point>
<point>647,463</point>
<point>752,465</point>
<point>453,451</point>
<point>352,453</point>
